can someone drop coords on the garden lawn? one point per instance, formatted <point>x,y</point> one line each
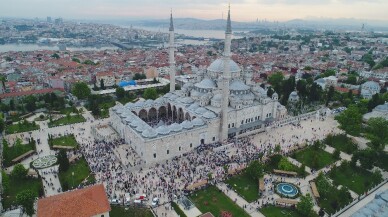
<point>21,127</point>
<point>315,159</point>
<point>356,179</point>
<point>81,172</point>
<point>67,120</point>
<point>14,152</point>
<point>67,140</point>
<point>274,211</point>
<point>245,186</point>
<point>213,200</point>
<point>18,185</point>
<point>341,142</point>
<point>121,211</point>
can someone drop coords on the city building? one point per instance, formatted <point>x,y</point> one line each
<point>217,105</point>
<point>380,111</point>
<point>87,202</point>
<point>369,88</point>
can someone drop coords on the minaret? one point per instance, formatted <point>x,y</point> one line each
<point>171,58</point>
<point>225,80</point>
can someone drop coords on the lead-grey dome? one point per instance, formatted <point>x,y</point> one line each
<point>238,85</point>
<point>149,133</point>
<point>218,66</point>
<point>206,84</point>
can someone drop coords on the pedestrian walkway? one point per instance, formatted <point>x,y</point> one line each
<point>250,208</point>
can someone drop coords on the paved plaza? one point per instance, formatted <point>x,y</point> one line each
<point>121,170</point>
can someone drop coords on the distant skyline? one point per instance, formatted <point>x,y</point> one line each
<point>242,10</point>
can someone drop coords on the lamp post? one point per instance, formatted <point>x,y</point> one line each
<point>72,176</point>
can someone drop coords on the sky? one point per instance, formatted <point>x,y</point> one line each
<point>242,10</point>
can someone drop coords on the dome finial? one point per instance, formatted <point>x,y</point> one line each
<point>171,23</point>
<point>228,23</point>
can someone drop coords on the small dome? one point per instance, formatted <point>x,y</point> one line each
<point>168,95</point>
<point>206,84</point>
<point>128,105</point>
<point>175,127</point>
<point>197,122</point>
<point>186,100</point>
<point>217,97</point>
<point>141,127</point>
<point>149,133</point>
<point>209,115</point>
<point>149,102</point>
<point>237,85</point>
<point>218,66</point>
<point>134,123</point>
<point>193,106</point>
<point>128,120</point>
<point>187,125</point>
<point>163,130</point>
<point>139,104</point>
<point>200,110</point>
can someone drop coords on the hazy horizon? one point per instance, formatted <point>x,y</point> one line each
<point>242,10</point>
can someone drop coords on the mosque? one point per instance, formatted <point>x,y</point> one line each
<point>220,103</point>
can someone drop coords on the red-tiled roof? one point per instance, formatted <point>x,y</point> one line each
<point>81,203</point>
<point>30,92</point>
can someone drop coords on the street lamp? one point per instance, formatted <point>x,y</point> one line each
<point>72,175</point>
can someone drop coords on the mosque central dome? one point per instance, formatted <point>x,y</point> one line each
<point>218,66</point>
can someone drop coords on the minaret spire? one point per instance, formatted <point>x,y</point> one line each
<point>225,80</point>
<point>171,57</point>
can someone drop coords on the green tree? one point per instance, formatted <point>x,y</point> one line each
<point>150,93</point>
<point>336,154</point>
<point>330,94</point>
<point>120,92</point>
<point>275,80</point>
<point>350,120</point>
<point>102,85</point>
<point>26,199</point>
<point>255,170</point>
<point>19,172</point>
<point>284,164</point>
<point>81,90</point>
<point>270,91</point>
<point>377,130</point>
<point>63,161</point>
<point>305,205</point>
<point>139,76</point>
<point>56,56</point>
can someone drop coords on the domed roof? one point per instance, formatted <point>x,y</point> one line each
<point>197,122</point>
<point>238,85</point>
<point>128,120</point>
<point>248,97</point>
<point>135,123</point>
<point>168,95</point>
<point>259,90</point>
<point>206,84</point>
<point>148,102</point>
<point>139,104</point>
<point>209,115</point>
<point>163,130</point>
<point>217,97</point>
<point>195,93</point>
<point>382,108</point>
<point>128,105</point>
<point>141,127</point>
<point>371,85</point>
<point>218,66</point>
<point>175,127</point>
<point>187,85</point>
<point>187,125</point>
<point>149,133</point>
<point>200,110</point>
<point>193,106</point>
<point>186,100</point>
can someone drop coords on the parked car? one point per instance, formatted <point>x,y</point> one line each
<point>115,201</point>
<point>155,202</point>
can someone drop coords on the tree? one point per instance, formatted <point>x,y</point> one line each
<point>305,205</point>
<point>275,80</point>
<point>350,120</point>
<point>139,76</point>
<point>120,92</point>
<point>284,164</point>
<point>63,161</point>
<point>2,125</point>
<point>378,132</point>
<point>56,56</point>
<point>270,92</point>
<point>330,94</point>
<point>255,170</point>
<point>102,85</point>
<point>19,172</point>
<point>81,90</point>
<point>26,199</point>
<point>352,79</point>
<point>336,154</point>
<point>150,93</point>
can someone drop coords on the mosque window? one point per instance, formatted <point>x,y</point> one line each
<point>154,155</point>
<point>168,151</point>
<point>180,148</point>
<point>191,145</point>
<point>214,138</point>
